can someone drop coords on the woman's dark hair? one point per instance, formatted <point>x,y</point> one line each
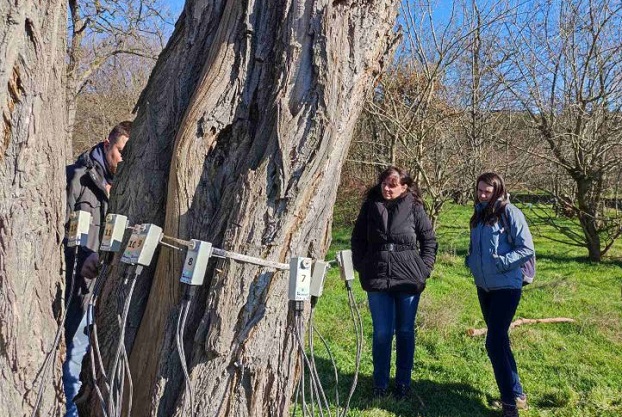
<point>405,179</point>
<point>498,200</point>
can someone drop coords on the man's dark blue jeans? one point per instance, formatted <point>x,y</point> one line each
<point>498,308</point>
<point>393,313</point>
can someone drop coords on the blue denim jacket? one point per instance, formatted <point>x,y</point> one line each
<point>493,261</point>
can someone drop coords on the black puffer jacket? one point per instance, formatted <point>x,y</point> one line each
<point>86,191</point>
<point>393,244</point>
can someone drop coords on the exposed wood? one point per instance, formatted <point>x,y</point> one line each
<point>239,140</point>
<point>33,148</point>
<point>520,322</point>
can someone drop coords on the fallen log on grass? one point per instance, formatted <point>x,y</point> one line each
<point>520,322</point>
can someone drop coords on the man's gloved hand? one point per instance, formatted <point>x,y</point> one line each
<point>89,267</point>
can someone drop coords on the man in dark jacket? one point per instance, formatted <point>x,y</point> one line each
<point>89,181</point>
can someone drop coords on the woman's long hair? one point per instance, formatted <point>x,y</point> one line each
<point>405,179</point>
<point>496,205</point>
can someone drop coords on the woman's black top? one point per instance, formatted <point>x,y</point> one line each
<point>393,244</point>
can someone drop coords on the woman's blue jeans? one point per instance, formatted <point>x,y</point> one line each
<point>498,308</point>
<point>393,313</point>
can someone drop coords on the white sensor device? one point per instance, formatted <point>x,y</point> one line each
<point>344,259</point>
<point>318,273</point>
<point>113,233</point>
<point>79,224</point>
<point>299,278</point>
<point>142,244</point>
<point>195,265</point>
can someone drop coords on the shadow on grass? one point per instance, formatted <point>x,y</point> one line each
<point>427,398</point>
<point>558,259</point>
<point>612,261</point>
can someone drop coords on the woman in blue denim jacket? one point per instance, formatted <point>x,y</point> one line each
<point>495,261</point>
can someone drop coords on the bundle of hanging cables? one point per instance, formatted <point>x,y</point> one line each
<point>189,291</point>
<point>94,352</point>
<point>311,332</point>
<point>120,369</point>
<point>357,321</point>
<point>316,391</point>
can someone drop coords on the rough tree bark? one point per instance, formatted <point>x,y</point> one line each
<point>33,148</point>
<point>239,140</point>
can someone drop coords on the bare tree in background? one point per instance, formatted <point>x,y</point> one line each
<point>415,100</point>
<point>483,120</point>
<point>33,149</point>
<point>564,70</point>
<point>110,97</point>
<point>111,35</point>
<point>440,104</point>
<point>239,140</point>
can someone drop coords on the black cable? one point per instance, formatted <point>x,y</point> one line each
<point>49,357</point>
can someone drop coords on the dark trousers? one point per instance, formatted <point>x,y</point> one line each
<point>498,308</point>
<point>393,314</point>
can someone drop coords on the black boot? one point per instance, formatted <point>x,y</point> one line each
<point>401,391</point>
<point>379,393</point>
<point>509,410</point>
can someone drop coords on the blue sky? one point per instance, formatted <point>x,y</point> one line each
<point>176,6</point>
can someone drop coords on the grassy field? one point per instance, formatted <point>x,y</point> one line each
<point>567,369</point>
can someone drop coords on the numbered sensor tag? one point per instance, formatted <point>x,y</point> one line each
<point>113,232</point>
<point>79,224</point>
<point>142,244</point>
<point>196,262</point>
<point>299,278</point>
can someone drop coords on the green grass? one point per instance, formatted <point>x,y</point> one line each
<point>567,369</point>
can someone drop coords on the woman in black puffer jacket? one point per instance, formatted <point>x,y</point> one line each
<point>394,250</point>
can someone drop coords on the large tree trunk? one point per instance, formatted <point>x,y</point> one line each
<point>239,140</point>
<point>33,149</point>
